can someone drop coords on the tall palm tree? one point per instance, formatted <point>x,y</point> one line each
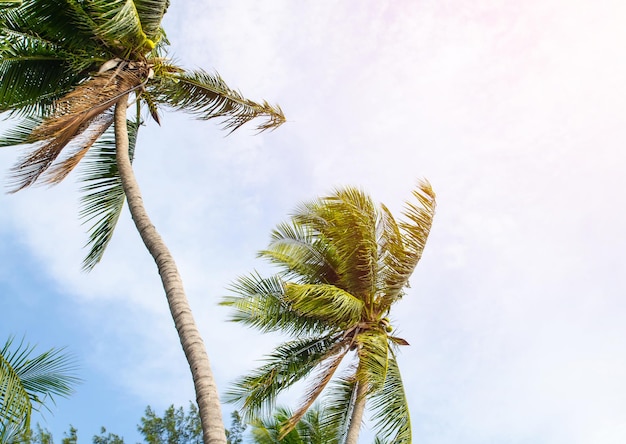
<point>343,263</point>
<point>68,68</point>
<point>29,382</point>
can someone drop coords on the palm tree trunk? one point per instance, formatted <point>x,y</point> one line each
<point>206,390</point>
<point>352,437</point>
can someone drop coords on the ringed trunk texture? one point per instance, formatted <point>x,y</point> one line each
<point>206,390</point>
<point>352,437</point>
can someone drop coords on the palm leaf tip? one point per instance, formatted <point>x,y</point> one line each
<point>208,97</point>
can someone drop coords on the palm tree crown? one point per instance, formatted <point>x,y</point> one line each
<point>65,63</point>
<point>343,264</point>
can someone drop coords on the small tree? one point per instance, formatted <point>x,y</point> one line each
<point>109,438</point>
<point>234,435</point>
<point>175,426</point>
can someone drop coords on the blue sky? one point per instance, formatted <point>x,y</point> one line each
<point>515,113</point>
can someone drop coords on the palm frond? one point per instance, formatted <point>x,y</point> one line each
<point>103,198</point>
<point>10,3</point>
<point>391,409</point>
<point>64,24</point>
<point>373,350</point>
<point>259,303</point>
<point>48,374</point>
<point>403,253</point>
<point>301,254</point>
<point>152,106</point>
<point>34,74</point>
<point>19,134</point>
<point>256,392</point>
<point>27,382</point>
<point>324,375</point>
<point>347,221</point>
<point>325,302</point>
<point>150,15</point>
<point>41,159</point>
<point>420,218</point>
<point>80,119</point>
<point>340,401</point>
<point>312,429</point>
<point>118,25</point>
<point>208,97</point>
<point>15,403</point>
<point>391,259</point>
<point>11,433</point>
<point>76,149</point>
<point>267,430</point>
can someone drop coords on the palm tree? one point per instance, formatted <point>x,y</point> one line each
<point>68,68</point>
<point>28,383</point>
<point>343,264</point>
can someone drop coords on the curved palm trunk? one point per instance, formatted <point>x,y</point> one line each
<point>193,346</point>
<point>352,437</point>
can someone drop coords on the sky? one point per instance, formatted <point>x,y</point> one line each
<point>514,111</point>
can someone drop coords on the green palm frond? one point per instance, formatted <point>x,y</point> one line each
<point>118,25</point>
<point>259,303</point>
<point>390,251</point>
<point>373,349</point>
<point>10,3</point>
<point>20,133</point>
<point>291,361</point>
<point>298,251</point>
<point>208,97</point>
<point>103,199</point>
<point>403,253</point>
<point>309,430</point>
<point>311,427</point>
<point>64,24</point>
<point>267,430</point>
<point>27,382</point>
<point>150,15</point>
<point>420,218</point>
<point>390,408</point>
<point>33,74</point>
<point>339,402</point>
<point>347,221</point>
<point>46,375</point>
<point>15,403</point>
<point>328,303</point>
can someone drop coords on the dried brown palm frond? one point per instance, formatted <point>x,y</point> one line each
<point>328,367</point>
<point>79,119</point>
<point>77,148</point>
